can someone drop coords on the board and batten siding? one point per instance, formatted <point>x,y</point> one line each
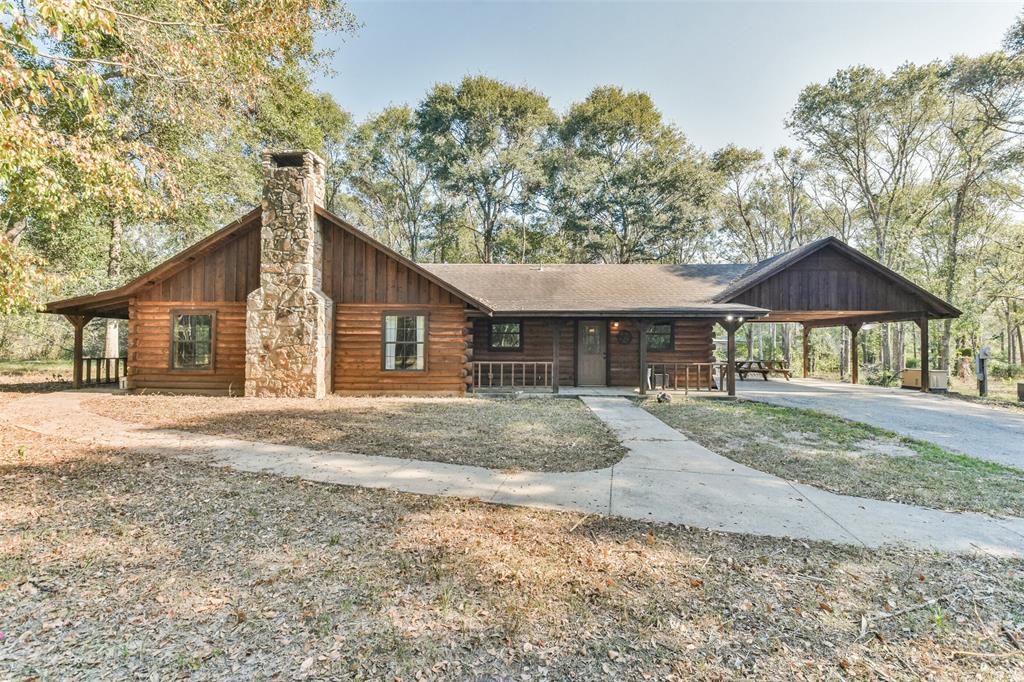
<point>228,272</point>
<point>829,281</point>
<point>363,282</point>
<point>217,280</point>
<point>356,271</point>
<point>149,347</point>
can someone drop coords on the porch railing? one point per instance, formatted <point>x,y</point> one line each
<point>510,374</point>
<point>686,376</point>
<point>103,370</point>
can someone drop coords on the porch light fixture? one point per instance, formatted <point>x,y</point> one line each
<point>728,318</point>
<point>615,324</point>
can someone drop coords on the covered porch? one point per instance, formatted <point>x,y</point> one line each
<point>98,369</point>
<point>604,355</point>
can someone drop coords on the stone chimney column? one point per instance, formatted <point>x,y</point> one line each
<point>288,319</point>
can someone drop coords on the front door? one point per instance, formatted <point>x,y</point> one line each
<point>593,351</point>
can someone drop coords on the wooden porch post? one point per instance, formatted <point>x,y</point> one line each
<point>643,356</point>
<point>807,351</point>
<point>78,322</point>
<point>926,380</point>
<point>730,354</point>
<point>854,352</point>
<point>556,333</point>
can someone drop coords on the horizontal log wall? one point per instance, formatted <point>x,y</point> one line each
<point>693,342</point>
<point>227,273</point>
<point>149,347</point>
<point>359,350</point>
<point>537,346</point>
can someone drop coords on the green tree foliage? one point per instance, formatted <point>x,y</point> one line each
<point>397,190</point>
<point>482,140</point>
<point>103,105</point>
<point>626,186</point>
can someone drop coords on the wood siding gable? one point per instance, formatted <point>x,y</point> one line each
<point>834,276</point>
<point>229,271</point>
<point>829,279</point>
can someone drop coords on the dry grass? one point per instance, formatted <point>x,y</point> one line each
<point>846,457</point>
<point>115,565</point>
<point>535,434</point>
<point>1001,392</point>
<point>34,377</point>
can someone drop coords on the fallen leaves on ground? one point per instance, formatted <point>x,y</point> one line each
<point>117,565</point>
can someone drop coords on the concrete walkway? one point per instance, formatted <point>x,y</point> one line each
<point>988,433</point>
<point>664,477</point>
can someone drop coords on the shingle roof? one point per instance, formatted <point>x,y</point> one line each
<point>597,288</point>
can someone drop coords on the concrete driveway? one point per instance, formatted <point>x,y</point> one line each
<point>988,433</point>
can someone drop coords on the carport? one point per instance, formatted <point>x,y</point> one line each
<point>829,284</point>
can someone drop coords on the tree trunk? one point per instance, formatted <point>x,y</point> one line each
<point>16,230</point>
<point>947,335</point>
<point>1020,346</point>
<point>111,342</point>
<point>750,342</point>
<point>787,343</point>
<point>844,356</point>
<point>1009,335</point>
<point>899,347</point>
<point>883,333</point>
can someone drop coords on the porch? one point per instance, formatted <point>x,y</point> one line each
<point>603,356</point>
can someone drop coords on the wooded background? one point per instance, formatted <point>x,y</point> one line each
<point>132,129</point>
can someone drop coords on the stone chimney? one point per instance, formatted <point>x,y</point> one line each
<point>288,319</point>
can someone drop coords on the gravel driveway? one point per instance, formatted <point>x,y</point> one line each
<point>987,433</point>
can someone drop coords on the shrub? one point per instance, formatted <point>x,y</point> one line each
<point>1004,370</point>
<point>882,378</point>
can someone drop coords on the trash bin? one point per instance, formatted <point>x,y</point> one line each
<point>1020,392</point>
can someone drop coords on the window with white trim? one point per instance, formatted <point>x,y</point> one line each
<point>405,342</point>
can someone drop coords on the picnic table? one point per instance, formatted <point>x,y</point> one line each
<point>762,367</point>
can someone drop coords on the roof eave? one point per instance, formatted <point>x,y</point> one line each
<point>113,297</point>
<point>689,311</point>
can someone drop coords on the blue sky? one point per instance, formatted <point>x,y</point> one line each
<point>721,72</point>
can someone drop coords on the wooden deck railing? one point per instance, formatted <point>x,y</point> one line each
<point>507,374</point>
<point>103,370</point>
<point>686,376</point>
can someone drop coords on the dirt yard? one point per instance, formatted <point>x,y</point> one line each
<point>534,434</point>
<point>846,457</point>
<point>117,565</point>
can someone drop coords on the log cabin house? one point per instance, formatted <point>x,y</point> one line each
<point>290,300</point>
